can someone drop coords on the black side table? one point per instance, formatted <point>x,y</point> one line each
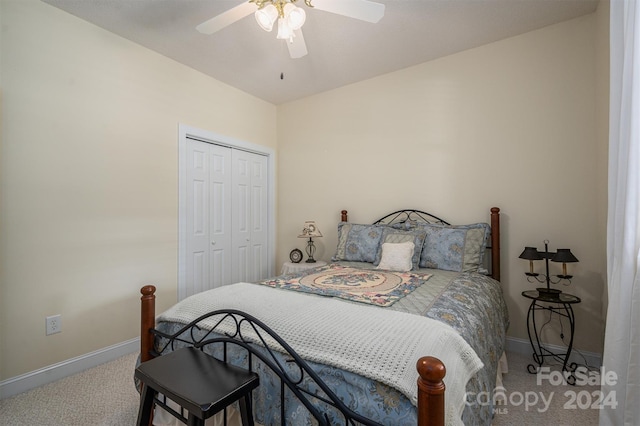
<point>555,303</point>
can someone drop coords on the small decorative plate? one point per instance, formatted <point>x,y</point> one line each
<point>295,256</point>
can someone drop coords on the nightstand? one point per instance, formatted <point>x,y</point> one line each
<point>291,268</point>
<point>556,304</point>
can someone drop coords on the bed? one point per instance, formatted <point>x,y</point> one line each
<point>363,339</point>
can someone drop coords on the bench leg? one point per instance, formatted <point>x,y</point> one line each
<point>194,421</point>
<point>245,410</point>
<point>146,406</point>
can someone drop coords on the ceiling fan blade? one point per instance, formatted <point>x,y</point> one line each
<point>297,47</point>
<point>226,18</point>
<point>363,10</point>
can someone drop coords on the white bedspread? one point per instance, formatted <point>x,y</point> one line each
<point>374,342</point>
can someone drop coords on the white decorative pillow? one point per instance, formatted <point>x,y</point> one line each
<point>390,235</point>
<point>397,256</point>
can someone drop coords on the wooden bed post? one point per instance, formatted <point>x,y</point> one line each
<point>343,216</point>
<point>431,391</point>
<point>495,243</point>
<point>147,321</point>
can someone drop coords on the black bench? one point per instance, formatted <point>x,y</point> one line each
<point>197,382</point>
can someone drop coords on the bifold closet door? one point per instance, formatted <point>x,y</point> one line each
<point>249,216</point>
<point>226,217</point>
<point>209,226</point>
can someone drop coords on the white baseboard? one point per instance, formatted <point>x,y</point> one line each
<point>522,346</point>
<point>51,373</point>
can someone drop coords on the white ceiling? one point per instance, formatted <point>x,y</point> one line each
<point>341,50</point>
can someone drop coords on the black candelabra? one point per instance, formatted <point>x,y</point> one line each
<point>562,255</point>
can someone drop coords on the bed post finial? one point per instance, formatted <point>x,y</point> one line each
<point>344,217</point>
<point>431,391</point>
<point>147,321</point>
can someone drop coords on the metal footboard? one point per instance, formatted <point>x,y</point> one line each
<point>223,333</point>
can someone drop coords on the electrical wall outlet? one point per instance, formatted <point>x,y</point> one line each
<point>54,324</point>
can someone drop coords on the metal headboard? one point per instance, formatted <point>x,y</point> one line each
<point>410,215</point>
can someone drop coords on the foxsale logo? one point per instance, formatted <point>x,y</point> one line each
<point>574,399</point>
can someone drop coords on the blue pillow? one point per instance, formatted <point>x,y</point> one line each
<point>358,243</point>
<point>454,248</point>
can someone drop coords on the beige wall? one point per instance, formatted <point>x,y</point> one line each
<point>89,178</point>
<point>510,124</point>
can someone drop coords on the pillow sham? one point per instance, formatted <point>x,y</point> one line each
<point>358,243</point>
<point>397,256</point>
<point>390,235</point>
<point>458,248</point>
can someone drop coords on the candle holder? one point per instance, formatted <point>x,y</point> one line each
<point>562,255</point>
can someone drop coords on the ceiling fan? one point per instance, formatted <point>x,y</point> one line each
<point>290,18</point>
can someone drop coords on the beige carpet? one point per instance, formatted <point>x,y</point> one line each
<point>518,382</point>
<point>105,396</point>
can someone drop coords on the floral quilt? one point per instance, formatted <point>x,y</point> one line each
<point>372,286</point>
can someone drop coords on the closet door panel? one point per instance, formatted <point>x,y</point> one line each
<point>197,238</point>
<point>220,221</point>
<point>241,216</point>
<point>259,215</point>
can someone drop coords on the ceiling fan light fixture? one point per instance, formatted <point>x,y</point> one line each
<point>266,17</point>
<point>291,18</point>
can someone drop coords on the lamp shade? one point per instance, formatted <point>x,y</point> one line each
<point>266,17</point>
<point>310,230</point>
<point>284,31</point>
<point>564,256</point>
<point>295,16</point>
<point>530,253</point>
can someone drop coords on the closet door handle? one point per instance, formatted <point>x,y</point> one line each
<point>213,243</point>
